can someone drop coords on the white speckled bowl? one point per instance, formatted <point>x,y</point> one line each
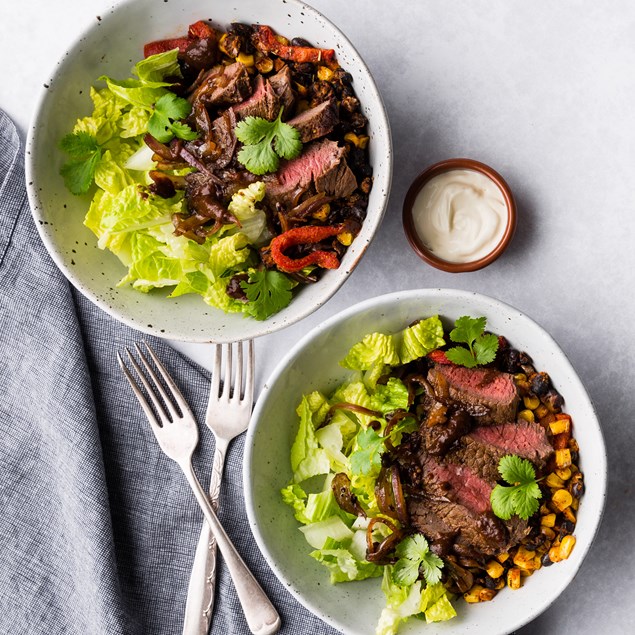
<point>313,365</point>
<point>111,46</point>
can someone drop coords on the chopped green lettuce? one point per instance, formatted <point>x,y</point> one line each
<point>253,221</point>
<point>420,339</point>
<point>343,565</point>
<point>317,534</point>
<point>307,458</point>
<point>372,354</point>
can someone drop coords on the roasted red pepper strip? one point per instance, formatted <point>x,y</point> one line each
<point>161,46</point>
<point>309,234</point>
<point>265,40</point>
<point>438,357</point>
<point>200,29</point>
<point>197,30</point>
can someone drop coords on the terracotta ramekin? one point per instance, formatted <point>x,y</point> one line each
<point>411,233</point>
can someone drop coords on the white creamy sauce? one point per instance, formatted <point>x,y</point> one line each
<point>460,215</point>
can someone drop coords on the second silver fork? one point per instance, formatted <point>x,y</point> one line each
<point>228,413</point>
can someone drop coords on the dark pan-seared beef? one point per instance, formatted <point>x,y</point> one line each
<point>224,85</point>
<point>439,438</point>
<point>526,439</point>
<point>481,458</point>
<point>338,182</point>
<point>490,395</point>
<point>317,163</point>
<point>478,534</point>
<point>263,102</point>
<point>458,483</point>
<point>283,87</point>
<point>316,122</point>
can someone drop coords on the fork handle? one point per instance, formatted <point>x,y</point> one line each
<point>262,617</point>
<point>202,586</point>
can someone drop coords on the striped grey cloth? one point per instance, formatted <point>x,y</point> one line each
<point>98,528</point>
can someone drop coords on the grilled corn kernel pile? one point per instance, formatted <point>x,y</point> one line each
<point>551,537</point>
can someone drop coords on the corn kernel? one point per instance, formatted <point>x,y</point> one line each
<point>322,212</point>
<point>345,238</point>
<point>566,546</point>
<point>549,520</point>
<point>562,499</point>
<point>575,504</point>
<point>559,426</point>
<point>547,419</point>
<point>524,559</point>
<point>513,578</point>
<point>541,411</point>
<point>564,473</point>
<point>563,458</point>
<point>537,563</point>
<point>473,595</point>
<point>494,569</point>
<point>526,415</point>
<point>324,73</point>
<point>554,554</point>
<point>547,531</point>
<point>264,64</point>
<point>301,89</point>
<point>247,60</point>
<point>283,40</point>
<point>544,509</point>
<point>553,480</point>
<point>520,377</point>
<point>531,402</point>
<point>359,141</point>
<point>502,557</point>
<point>569,514</point>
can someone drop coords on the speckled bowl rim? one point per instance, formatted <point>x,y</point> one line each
<point>386,301</point>
<point>256,328</point>
<point>411,232</point>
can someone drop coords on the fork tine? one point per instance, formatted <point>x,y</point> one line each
<point>227,380</point>
<point>137,391</point>
<point>238,387</point>
<point>249,377</point>
<point>176,393</point>
<point>158,387</point>
<point>215,387</point>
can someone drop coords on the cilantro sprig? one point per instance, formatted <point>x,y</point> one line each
<point>414,557</point>
<point>268,292</point>
<point>164,123</point>
<point>481,347</point>
<point>84,152</point>
<point>366,459</point>
<point>266,142</point>
<point>523,494</point>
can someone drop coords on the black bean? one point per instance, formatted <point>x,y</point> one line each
<point>546,560</point>
<point>300,41</point>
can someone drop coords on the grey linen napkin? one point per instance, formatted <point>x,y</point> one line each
<point>98,528</point>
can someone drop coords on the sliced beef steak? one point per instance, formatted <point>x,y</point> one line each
<point>316,122</point>
<point>526,439</point>
<point>481,458</point>
<point>224,85</point>
<point>283,87</point>
<point>489,395</point>
<point>458,483</point>
<point>483,534</point>
<point>263,102</point>
<point>322,163</point>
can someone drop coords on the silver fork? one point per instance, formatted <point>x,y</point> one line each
<point>177,434</point>
<point>228,414</point>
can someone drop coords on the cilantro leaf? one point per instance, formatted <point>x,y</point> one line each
<point>164,122</point>
<point>522,496</point>
<point>366,459</point>
<point>85,153</point>
<point>481,348</point>
<point>258,154</point>
<point>259,158</point>
<point>415,555</point>
<point>268,292</point>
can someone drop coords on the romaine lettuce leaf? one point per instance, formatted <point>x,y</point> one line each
<point>435,604</point>
<point>372,354</point>
<point>307,458</point>
<point>420,339</point>
<point>333,528</point>
<point>253,221</point>
<point>390,396</point>
<point>344,567</point>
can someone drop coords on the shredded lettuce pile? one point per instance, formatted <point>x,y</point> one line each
<point>346,443</point>
<point>136,225</point>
